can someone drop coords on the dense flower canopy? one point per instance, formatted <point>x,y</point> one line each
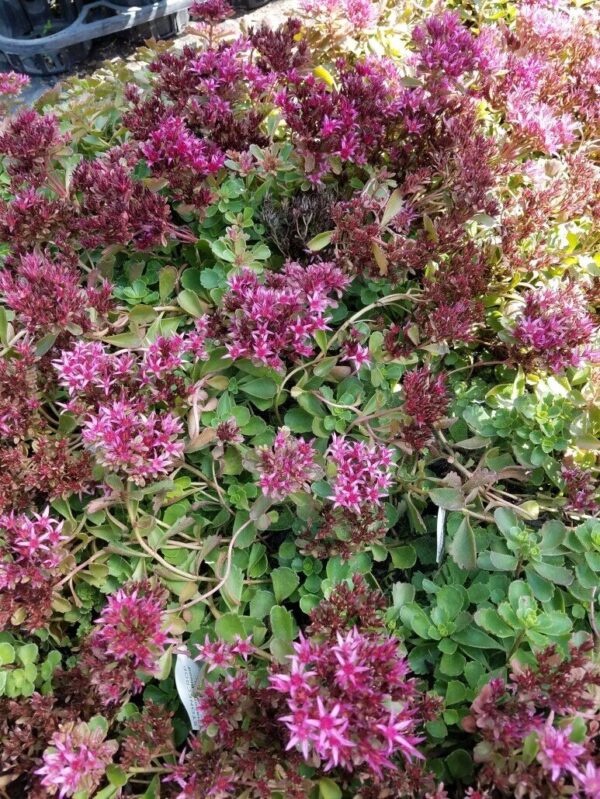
<point>299,431</point>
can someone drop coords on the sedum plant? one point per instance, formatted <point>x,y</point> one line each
<point>299,428</point>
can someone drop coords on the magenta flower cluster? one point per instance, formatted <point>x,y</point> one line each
<point>76,759</point>
<point>361,14</point>
<point>435,177</point>
<point>286,467</point>
<point>562,757</point>
<point>133,628</point>
<point>558,754</point>
<point>48,295</point>
<point>116,394</point>
<point>581,488</point>
<point>113,208</point>
<point>350,122</point>
<point>537,701</point>
<point>211,11</point>
<point>88,369</point>
<point>172,146</point>
<point>18,392</point>
<point>31,550</point>
<point>363,473</point>
<point>555,328</point>
<point>141,445</point>
<point>538,123</point>
<point>447,50</point>
<point>273,319</point>
<point>12,83</point>
<point>547,104</point>
<point>353,351</point>
<point>351,703</point>
<point>28,142</point>
<point>222,655</point>
<point>127,642</point>
<point>166,354</point>
<point>33,540</point>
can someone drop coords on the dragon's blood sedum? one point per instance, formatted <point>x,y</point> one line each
<point>48,296</point>
<point>131,626</point>
<point>28,143</point>
<point>556,328</point>
<point>341,700</point>
<point>299,431</point>
<point>76,759</point>
<point>130,636</point>
<point>288,466</point>
<point>268,321</point>
<point>31,551</point>
<point>13,83</point>
<point>362,473</point>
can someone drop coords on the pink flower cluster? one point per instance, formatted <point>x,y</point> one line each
<point>351,703</point>
<point>218,93</point>
<point>132,628</point>
<point>287,466</point>
<point>222,655</point>
<point>588,778</point>
<point>130,637</point>
<point>114,208</point>
<point>550,71</point>
<point>31,549</point>
<point>13,83</point>
<point>533,702</point>
<point>117,393</point>
<point>274,319</point>
<point>351,121</point>
<point>166,354</point>
<point>142,446</point>
<point>558,754</point>
<point>35,540</point>
<point>106,204</point>
<point>173,146</point>
<point>47,295</point>
<point>76,759</point>
<point>355,352</point>
<point>561,758</point>
<point>446,49</point>
<point>361,14</point>
<point>538,123</point>
<point>19,398</point>
<point>363,473</point>
<point>31,218</point>
<point>555,328</point>
<point>221,704</point>
<point>88,368</point>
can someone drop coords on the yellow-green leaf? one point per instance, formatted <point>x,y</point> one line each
<point>320,241</point>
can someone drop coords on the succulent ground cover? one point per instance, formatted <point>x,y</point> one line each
<point>299,388</point>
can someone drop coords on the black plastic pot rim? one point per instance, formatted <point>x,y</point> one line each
<point>81,31</point>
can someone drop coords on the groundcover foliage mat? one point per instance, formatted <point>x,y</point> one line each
<point>299,406</point>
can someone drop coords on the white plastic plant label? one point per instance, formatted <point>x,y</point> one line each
<point>440,535</point>
<point>187,673</point>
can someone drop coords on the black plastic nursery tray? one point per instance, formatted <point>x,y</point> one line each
<point>47,37</point>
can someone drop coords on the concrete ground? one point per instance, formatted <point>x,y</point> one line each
<point>273,13</point>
